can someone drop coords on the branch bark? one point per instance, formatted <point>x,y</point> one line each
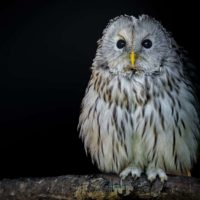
<point>101,186</point>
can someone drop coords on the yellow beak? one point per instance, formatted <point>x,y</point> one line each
<point>132,58</point>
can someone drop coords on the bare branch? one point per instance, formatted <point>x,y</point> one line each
<point>98,187</point>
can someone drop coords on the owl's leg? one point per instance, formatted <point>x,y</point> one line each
<point>132,169</point>
<point>153,172</point>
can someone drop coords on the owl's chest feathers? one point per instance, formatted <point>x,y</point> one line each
<point>134,93</point>
<point>137,117</point>
<point>117,90</point>
<point>142,102</point>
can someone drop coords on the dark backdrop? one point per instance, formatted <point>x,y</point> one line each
<point>46,50</point>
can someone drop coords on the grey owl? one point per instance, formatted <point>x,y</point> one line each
<point>139,113</point>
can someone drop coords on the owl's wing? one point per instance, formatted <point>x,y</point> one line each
<point>192,73</point>
<point>189,69</point>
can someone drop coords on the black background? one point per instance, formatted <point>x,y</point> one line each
<point>46,50</point>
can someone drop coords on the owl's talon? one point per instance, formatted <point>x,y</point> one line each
<point>153,173</point>
<point>134,171</point>
<point>135,177</point>
<point>121,182</point>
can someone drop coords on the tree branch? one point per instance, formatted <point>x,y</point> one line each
<point>101,186</point>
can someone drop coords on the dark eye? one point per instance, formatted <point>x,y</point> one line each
<point>121,44</point>
<point>147,43</point>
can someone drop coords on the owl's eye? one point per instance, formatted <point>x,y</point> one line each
<point>121,44</point>
<point>147,43</point>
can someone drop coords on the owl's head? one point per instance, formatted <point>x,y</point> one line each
<point>132,44</point>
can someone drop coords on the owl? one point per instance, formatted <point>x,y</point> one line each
<point>140,112</point>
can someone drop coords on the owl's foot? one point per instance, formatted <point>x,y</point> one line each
<point>152,173</point>
<point>134,171</point>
